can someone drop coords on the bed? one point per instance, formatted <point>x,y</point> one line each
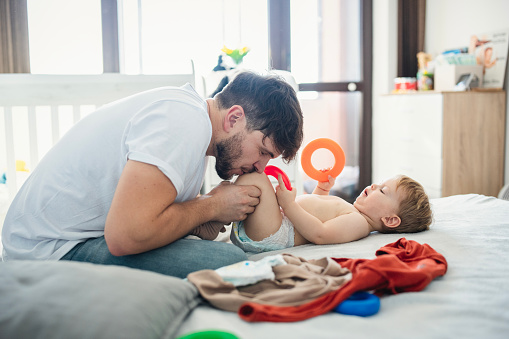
<point>80,300</point>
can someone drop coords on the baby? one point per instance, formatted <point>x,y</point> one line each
<point>282,220</point>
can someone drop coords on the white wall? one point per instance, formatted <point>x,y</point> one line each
<point>449,24</point>
<point>385,47</point>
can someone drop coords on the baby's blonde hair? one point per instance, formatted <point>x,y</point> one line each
<point>414,209</point>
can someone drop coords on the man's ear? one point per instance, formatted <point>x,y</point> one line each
<point>392,221</point>
<point>234,116</point>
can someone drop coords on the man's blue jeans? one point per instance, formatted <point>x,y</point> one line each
<point>177,259</point>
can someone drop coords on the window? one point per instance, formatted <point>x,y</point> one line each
<point>326,44</point>
<point>331,60</point>
<point>325,40</point>
<point>65,36</point>
<point>161,36</point>
<point>155,36</point>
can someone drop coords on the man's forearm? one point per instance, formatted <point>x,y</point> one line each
<point>173,223</point>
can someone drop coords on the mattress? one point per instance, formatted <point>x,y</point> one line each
<point>469,301</point>
<point>81,300</point>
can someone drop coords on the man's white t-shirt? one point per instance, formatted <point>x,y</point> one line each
<point>66,199</point>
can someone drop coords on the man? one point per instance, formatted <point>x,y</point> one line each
<point>121,187</point>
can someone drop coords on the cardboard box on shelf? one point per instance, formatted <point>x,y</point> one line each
<point>447,76</point>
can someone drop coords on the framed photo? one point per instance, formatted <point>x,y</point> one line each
<point>490,50</point>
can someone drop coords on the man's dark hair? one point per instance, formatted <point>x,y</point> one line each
<point>270,105</point>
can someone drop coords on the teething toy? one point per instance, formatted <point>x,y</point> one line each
<point>331,145</point>
<point>274,171</point>
<point>360,303</point>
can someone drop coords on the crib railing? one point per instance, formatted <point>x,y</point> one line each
<point>36,110</point>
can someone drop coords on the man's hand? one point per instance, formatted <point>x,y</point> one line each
<point>209,230</point>
<point>234,202</point>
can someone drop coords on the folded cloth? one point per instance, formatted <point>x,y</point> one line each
<point>402,266</point>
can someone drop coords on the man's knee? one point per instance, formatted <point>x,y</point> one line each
<point>233,254</point>
<point>221,253</point>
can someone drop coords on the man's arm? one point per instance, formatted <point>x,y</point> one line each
<point>144,215</point>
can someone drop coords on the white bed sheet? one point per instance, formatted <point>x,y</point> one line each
<point>470,301</point>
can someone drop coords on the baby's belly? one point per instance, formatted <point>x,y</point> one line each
<point>324,207</point>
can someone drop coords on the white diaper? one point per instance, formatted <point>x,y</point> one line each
<point>283,238</point>
<point>250,272</point>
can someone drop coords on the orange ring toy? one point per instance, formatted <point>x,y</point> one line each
<point>331,145</point>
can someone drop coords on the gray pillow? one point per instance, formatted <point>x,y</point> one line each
<point>62,299</point>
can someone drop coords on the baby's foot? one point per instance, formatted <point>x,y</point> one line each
<point>208,230</point>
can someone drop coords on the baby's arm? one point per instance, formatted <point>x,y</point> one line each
<point>324,187</point>
<point>341,229</point>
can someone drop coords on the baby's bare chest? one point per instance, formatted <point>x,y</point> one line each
<point>324,207</point>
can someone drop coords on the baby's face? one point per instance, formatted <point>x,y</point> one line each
<point>379,200</point>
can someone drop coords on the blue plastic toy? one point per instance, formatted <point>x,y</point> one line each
<point>362,304</point>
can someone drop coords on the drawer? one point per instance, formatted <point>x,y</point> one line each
<point>407,139</point>
<point>421,104</point>
<point>409,145</point>
<point>406,127</point>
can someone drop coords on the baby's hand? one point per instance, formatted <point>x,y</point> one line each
<point>323,187</point>
<point>283,195</point>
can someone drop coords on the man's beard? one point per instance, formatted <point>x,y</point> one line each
<point>227,152</point>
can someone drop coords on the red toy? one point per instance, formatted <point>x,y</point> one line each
<point>274,171</point>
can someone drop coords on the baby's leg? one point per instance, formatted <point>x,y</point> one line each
<point>267,218</point>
